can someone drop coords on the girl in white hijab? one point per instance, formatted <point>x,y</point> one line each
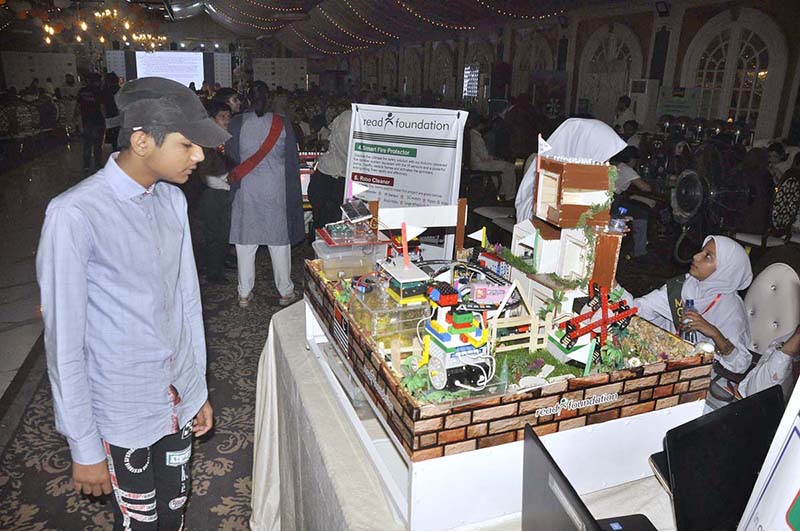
<point>578,138</point>
<point>717,273</point>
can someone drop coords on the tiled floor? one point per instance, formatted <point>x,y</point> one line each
<point>24,193</point>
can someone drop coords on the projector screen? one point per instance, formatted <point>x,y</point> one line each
<point>183,67</point>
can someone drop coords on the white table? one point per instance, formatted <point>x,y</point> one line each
<point>322,458</point>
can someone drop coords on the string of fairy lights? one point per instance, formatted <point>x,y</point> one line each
<point>275,8</point>
<point>254,17</point>
<point>368,23</point>
<point>347,32</point>
<point>234,20</point>
<point>437,23</point>
<point>346,47</point>
<point>505,13</point>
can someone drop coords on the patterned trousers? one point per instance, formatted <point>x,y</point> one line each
<point>151,484</point>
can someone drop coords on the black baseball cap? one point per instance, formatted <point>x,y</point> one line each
<point>156,101</point>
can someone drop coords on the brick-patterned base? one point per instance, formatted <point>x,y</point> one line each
<point>427,431</point>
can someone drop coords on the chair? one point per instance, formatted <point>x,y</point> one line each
<point>773,306</point>
<point>785,207</point>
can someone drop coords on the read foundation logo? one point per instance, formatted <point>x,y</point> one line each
<point>392,121</point>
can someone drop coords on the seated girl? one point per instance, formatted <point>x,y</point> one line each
<point>717,273</point>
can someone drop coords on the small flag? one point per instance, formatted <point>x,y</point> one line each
<point>357,188</point>
<point>544,147</point>
<point>412,231</point>
<point>479,235</point>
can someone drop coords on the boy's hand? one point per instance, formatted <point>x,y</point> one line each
<point>91,480</point>
<point>204,420</point>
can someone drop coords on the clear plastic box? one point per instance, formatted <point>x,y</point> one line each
<point>347,261</point>
<point>385,320</point>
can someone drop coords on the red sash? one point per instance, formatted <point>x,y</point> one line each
<point>240,172</point>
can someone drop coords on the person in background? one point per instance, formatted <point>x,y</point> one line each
<point>229,97</point>
<point>280,102</point>
<point>623,113</point>
<point>326,186</point>
<point>578,138</point>
<point>215,202</point>
<point>70,89</point>
<point>92,122</point>
<point>267,204</point>
<point>627,162</point>
<point>206,92</point>
<point>718,272</point>
<point>49,87</point>
<point>777,161</point>
<point>630,133</point>
<point>110,89</point>
<point>123,323</point>
<point>481,160</point>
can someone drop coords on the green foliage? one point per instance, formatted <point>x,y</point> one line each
<point>521,363</point>
<point>416,382</point>
<point>517,262</point>
<point>610,358</point>
<point>553,304</point>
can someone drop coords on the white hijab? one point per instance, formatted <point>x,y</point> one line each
<point>733,273</point>
<point>576,137</point>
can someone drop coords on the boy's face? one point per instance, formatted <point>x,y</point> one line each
<point>175,160</point>
<point>234,103</point>
<point>223,119</point>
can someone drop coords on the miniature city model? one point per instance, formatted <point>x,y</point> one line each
<point>460,354</point>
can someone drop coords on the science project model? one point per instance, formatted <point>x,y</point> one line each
<point>460,354</point>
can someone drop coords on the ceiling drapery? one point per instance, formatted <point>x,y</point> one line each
<point>337,27</point>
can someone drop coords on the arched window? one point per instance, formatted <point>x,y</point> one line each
<point>533,54</point>
<point>611,57</point>
<point>442,79</point>
<point>739,63</point>
<point>411,84</point>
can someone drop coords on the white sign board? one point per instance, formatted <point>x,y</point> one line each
<point>223,73</point>
<point>775,502</point>
<point>115,62</point>
<point>407,157</point>
<point>183,67</point>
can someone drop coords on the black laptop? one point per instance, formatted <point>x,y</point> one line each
<point>710,464</point>
<point>550,503</point>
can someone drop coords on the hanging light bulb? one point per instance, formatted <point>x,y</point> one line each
<point>127,25</point>
<point>47,40</point>
<point>78,38</point>
<point>84,26</point>
<point>102,39</point>
<point>51,30</point>
<point>124,37</point>
<point>152,45</point>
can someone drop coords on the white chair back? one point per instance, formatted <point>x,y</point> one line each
<point>773,305</point>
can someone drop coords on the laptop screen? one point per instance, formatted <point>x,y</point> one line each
<point>714,460</point>
<point>549,502</point>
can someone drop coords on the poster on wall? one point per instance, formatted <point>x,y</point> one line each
<point>775,502</point>
<point>679,101</point>
<point>407,157</point>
